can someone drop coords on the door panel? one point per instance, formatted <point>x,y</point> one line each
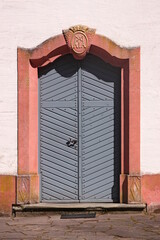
<point>79,100</point>
<point>58,123</point>
<point>98,131</point>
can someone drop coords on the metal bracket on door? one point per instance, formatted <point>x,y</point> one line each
<point>71,142</point>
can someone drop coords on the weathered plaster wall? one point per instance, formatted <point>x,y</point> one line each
<point>27,23</point>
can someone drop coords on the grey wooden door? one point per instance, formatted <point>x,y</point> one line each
<point>79,126</point>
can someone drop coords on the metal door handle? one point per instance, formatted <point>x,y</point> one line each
<point>71,142</point>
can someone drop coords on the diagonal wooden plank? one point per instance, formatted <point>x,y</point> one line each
<point>57,126</point>
<point>95,141</point>
<point>97,90</point>
<point>60,92</point>
<point>99,127</point>
<point>62,83</point>
<point>101,85</point>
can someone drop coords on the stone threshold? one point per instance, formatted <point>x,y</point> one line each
<point>42,207</point>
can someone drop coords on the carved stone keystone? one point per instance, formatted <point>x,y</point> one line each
<point>79,39</point>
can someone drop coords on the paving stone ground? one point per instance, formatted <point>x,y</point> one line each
<point>104,226</point>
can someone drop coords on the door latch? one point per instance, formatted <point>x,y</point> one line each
<point>71,142</point>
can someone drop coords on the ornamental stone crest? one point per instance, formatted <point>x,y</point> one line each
<point>79,39</point>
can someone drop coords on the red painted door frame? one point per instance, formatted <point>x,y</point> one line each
<point>28,62</point>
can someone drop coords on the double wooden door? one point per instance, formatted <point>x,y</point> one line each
<point>79,130</point>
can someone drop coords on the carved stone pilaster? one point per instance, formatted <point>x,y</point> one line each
<point>27,189</point>
<point>23,189</point>
<point>134,189</point>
